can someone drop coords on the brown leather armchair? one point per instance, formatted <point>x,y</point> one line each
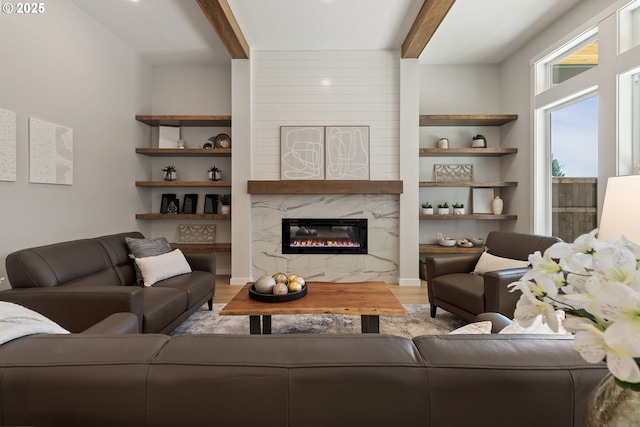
<point>453,287</point>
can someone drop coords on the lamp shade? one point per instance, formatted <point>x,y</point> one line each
<point>621,209</point>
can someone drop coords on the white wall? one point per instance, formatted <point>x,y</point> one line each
<point>63,67</point>
<point>460,89</point>
<point>516,98</point>
<point>190,89</point>
<point>326,88</point>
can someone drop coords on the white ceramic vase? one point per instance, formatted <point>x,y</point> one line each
<point>497,205</point>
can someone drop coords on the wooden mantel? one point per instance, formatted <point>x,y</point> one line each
<point>324,187</point>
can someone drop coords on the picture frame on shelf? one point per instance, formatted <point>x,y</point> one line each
<point>167,198</point>
<point>190,203</point>
<point>211,204</point>
<point>481,200</point>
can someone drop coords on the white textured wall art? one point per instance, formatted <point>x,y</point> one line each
<point>301,152</point>
<point>7,145</point>
<point>50,153</point>
<point>453,173</point>
<point>347,152</point>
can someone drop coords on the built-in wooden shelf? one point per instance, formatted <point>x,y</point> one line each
<point>213,247</point>
<point>183,183</point>
<point>182,216</point>
<point>466,119</point>
<point>475,184</point>
<point>459,152</point>
<point>470,216</point>
<point>184,152</point>
<point>324,187</point>
<point>193,120</point>
<point>437,249</point>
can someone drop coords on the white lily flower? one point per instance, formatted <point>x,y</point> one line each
<point>528,310</point>
<point>617,265</point>
<point>593,348</point>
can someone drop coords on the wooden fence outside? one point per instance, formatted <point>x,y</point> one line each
<point>574,207</point>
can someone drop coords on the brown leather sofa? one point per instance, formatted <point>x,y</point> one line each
<point>293,380</point>
<point>78,283</point>
<point>451,285</point>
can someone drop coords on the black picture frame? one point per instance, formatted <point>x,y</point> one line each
<point>211,203</point>
<point>190,203</point>
<point>166,199</point>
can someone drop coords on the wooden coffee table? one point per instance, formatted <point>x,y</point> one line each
<point>370,300</point>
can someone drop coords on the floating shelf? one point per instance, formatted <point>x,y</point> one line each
<point>438,249</point>
<point>183,183</point>
<point>182,216</point>
<point>184,152</point>
<point>171,120</point>
<point>475,184</point>
<point>194,248</point>
<point>470,216</point>
<point>478,152</point>
<point>466,119</point>
<point>324,187</point>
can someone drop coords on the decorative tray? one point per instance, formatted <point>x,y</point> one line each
<point>253,294</point>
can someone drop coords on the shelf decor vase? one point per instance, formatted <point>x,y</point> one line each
<point>427,211</point>
<point>497,205</point>
<point>611,405</point>
<point>443,211</point>
<point>170,176</point>
<point>225,209</point>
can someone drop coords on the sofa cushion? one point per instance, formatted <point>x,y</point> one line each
<point>142,248</point>
<point>196,285</point>
<point>467,290</point>
<point>488,262</point>
<point>483,327</point>
<point>162,305</point>
<point>17,321</point>
<point>160,267</point>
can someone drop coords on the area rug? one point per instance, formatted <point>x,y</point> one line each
<point>417,322</point>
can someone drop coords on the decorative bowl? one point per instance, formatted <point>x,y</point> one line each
<point>447,242</point>
<point>464,243</point>
<point>253,294</point>
<point>477,241</point>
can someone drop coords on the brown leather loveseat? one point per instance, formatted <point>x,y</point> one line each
<point>78,283</point>
<point>294,380</point>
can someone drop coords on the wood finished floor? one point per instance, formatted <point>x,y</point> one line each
<point>405,294</point>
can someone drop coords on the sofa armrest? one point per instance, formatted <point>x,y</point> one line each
<point>202,261</point>
<point>498,321</point>
<point>498,296</point>
<point>117,323</point>
<point>78,308</point>
<point>438,265</point>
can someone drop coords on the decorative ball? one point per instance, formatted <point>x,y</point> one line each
<point>291,278</point>
<point>299,280</point>
<point>280,277</point>
<point>280,289</point>
<point>265,284</point>
<point>295,286</point>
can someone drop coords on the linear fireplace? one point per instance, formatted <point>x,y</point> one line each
<point>324,236</point>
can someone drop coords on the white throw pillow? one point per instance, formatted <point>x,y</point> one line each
<point>538,327</point>
<point>17,321</point>
<point>483,327</point>
<point>488,262</point>
<point>160,267</point>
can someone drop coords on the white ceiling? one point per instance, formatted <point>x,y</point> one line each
<point>176,31</point>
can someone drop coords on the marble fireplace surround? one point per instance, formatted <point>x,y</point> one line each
<point>381,210</point>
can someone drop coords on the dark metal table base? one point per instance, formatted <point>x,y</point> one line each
<point>370,324</point>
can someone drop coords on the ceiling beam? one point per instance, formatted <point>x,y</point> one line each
<point>429,18</point>
<point>221,18</point>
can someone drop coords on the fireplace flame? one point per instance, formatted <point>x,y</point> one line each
<point>324,243</point>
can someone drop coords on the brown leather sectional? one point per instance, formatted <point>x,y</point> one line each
<point>78,283</point>
<point>293,380</point>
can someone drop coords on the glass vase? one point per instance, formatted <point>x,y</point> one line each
<point>612,406</point>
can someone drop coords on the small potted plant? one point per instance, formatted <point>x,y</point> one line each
<point>215,174</point>
<point>458,209</point>
<point>225,203</point>
<point>479,141</point>
<point>427,208</point>
<point>443,209</point>
<point>170,173</point>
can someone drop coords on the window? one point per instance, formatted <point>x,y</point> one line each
<point>578,61</point>
<point>635,125</point>
<point>629,26</point>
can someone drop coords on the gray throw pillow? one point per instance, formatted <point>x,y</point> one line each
<point>142,248</point>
